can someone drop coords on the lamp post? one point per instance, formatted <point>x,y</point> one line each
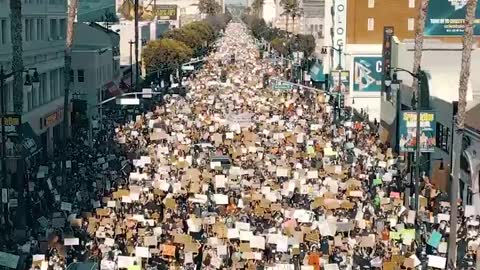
<point>339,50</point>
<point>29,82</point>
<point>416,105</point>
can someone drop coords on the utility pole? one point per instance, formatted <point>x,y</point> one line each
<point>137,69</point>
<point>131,64</point>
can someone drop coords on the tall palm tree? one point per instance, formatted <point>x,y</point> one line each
<point>289,7</point>
<point>257,7</point>
<point>296,13</point>
<point>17,53</point>
<point>460,125</point>
<point>420,27</point>
<point>72,13</point>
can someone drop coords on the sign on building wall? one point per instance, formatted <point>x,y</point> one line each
<point>336,77</point>
<point>339,27</point>
<point>166,12</point>
<point>367,73</point>
<point>408,129</point>
<point>447,18</point>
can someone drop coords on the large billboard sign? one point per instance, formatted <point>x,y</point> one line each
<point>447,18</point>
<point>408,131</point>
<point>367,74</point>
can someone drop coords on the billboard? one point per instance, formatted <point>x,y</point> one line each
<point>335,76</point>
<point>367,73</point>
<point>447,18</point>
<point>408,129</point>
<point>147,11</point>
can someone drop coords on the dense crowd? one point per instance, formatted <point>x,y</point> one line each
<point>238,176</point>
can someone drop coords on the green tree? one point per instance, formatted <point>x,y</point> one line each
<point>303,43</point>
<point>204,30</point>
<point>257,7</point>
<point>290,9</point>
<point>186,35</point>
<point>280,45</point>
<point>166,54</point>
<point>17,53</point>
<point>210,7</point>
<point>217,22</point>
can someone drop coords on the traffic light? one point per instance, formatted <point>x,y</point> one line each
<point>324,50</point>
<point>341,101</point>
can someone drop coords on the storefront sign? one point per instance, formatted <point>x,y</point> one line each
<point>339,27</point>
<point>367,73</point>
<point>166,12</point>
<point>337,76</point>
<point>447,18</point>
<point>12,122</point>
<point>388,33</point>
<point>51,119</point>
<point>408,128</point>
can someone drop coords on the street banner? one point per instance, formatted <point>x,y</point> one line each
<point>447,18</point>
<point>408,129</point>
<point>388,32</point>
<point>367,74</point>
<point>335,76</point>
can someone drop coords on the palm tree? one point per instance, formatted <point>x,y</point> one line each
<point>209,7</point>
<point>17,54</point>
<point>290,9</point>
<point>296,12</point>
<point>72,13</point>
<point>257,7</point>
<point>417,56</point>
<point>460,125</point>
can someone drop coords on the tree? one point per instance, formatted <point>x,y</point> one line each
<point>295,13</point>
<point>303,43</point>
<point>186,35</point>
<point>203,29</point>
<point>420,27</point>
<point>257,7</point>
<point>290,7</point>
<point>72,14</point>
<point>17,54</point>
<point>460,125</point>
<point>279,45</point>
<point>210,7</point>
<point>166,55</point>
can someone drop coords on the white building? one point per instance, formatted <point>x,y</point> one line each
<point>44,31</point>
<point>95,64</point>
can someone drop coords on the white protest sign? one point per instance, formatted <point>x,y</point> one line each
<point>71,241</point>
<point>65,206</point>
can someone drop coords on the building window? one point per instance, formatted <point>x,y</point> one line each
<point>35,92</point>
<point>442,136</point>
<point>320,30</point>
<point>40,29</point>
<point>28,29</point>
<point>42,99</point>
<point>371,3</point>
<point>72,76</point>
<point>63,28</point>
<point>3,31</point>
<point>370,24</point>
<point>53,29</point>
<point>81,75</point>
<point>29,101</point>
<point>411,3</point>
<point>411,24</point>
<point>61,80</point>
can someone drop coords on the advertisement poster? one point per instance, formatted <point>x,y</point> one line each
<point>408,129</point>
<point>367,74</point>
<point>342,75</point>
<point>447,18</point>
<point>147,10</point>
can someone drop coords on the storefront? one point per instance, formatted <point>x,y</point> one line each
<point>52,136</point>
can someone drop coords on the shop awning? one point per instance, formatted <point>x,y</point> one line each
<point>316,73</point>
<point>112,89</point>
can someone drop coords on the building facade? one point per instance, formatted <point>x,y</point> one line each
<point>95,65</point>
<point>44,30</point>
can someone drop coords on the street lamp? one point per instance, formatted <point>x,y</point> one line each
<point>394,84</point>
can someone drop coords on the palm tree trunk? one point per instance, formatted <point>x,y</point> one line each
<point>17,69</point>
<point>72,12</point>
<point>286,23</point>
<point>417,56</point>
<point>460,125</point>
<point>17,54</point>
<point>293,25</point>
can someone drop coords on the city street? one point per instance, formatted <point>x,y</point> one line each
<point>238,173</point>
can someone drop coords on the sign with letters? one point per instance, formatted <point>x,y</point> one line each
<point>12,122</point>
<point>339,27</point>
<point>447,18</point>
<point>408,128</point>
<point>166,12</point>
<point>367,73</point>
<point>51,119</point>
